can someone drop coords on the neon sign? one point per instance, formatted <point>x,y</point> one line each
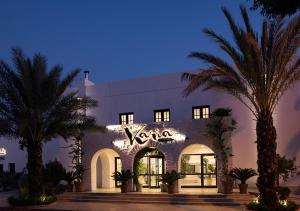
<point>137,134</point>
<point>2,151</point>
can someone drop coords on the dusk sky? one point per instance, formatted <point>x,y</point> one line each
<point>116,40</point>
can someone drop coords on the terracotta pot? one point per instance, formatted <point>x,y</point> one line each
<point>227,187</point>
<point>173,188</point>
<point>78,186</point>
<point>123,188</point>
<point>243,188</point>
<point>163,187</point>
<point>69,188</point>
<point>139,187</point>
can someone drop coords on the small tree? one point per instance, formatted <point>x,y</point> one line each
<point>286,168</point>
<point>54,172</point>
<point>219,130</point>
<point>76,154</point>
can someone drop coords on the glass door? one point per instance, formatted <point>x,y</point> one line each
<point>209,176</point>
<point>118,167</point>
<point>156,169</point>
<point>199,170</point>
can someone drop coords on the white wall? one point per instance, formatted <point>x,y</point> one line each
<point>143,95</point>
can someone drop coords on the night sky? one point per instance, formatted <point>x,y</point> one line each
<point>113,39</point>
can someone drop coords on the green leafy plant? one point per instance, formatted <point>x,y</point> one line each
<point>27,200</point>
<point>242,174</point>
<point>37,96</point>
<point>283,193</point>
<point>69,177</point>
<point>122,176</point>
<point>286,168</point>
<point>54,172</point>
<point>76,154</point>
<point>289,206</point>
<point>262,67</point>
<point>170,177</point>
<point>219,130</point>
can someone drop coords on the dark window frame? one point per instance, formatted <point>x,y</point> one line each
<point>117,184</point>
<point>202,174</point>
<point>12,167</point>
<point>161,111</point>
<point>127,119</point>
<point>201,111</point>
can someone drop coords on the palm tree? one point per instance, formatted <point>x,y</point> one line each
<point>262,70</point>
<point>36,106</point>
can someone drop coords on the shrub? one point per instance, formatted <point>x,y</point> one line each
<point>242,174</point>
<point>283,193</point>
<point>122,176</point>
<point>54,172</point>
<point>170,178</point>
<point>27,200</point>
<point>290,206</point>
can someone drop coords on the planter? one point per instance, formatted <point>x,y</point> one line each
<point>173,188</point>
<point>123,188</point>
<point>227,187</point>
<point>78,186</point>
<point>139,187</point>
<point>163,187</point>
<point>69,188</point>
<point>243,188</point>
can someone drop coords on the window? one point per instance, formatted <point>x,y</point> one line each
<point>126,118</point>
<point>12,168</point>
<point>1,170</point>
<point>162,115</point>
<point>201,112</point>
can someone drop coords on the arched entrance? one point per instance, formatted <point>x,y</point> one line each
<point>198,164</point>
<point>149,164</point>
<point>103,164</point>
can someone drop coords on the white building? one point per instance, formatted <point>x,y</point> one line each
<point>156,107</point>
<point>156,104</point>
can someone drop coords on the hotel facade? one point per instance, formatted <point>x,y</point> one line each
<point>151,115</point>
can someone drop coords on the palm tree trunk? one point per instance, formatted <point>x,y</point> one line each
<point>267,159</point>
<point>35,167</point>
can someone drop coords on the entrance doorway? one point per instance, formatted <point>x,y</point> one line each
<point>103,165</point>
<point>149,164</point>
<point>198,166</point>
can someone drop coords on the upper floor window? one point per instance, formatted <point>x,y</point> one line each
<point>162,115</point>
<point>201,112</point>
<point>126,118</point>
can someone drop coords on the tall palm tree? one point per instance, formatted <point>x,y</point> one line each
<point>36,106</point>
<point>262,69</point>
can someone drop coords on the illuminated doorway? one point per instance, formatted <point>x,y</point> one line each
<point>103,164</point>
<point>198,166</point>
<point>150,165</point>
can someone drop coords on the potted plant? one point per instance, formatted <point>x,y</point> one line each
<point>122,177</point>
<point>242,174</point>
<point>171,179</point>
<point>138,168</point>
<point>219,130</point>
<point>69,177</point>
<point>163,187</point>
<point>78,170</point>
<point>78,177</point>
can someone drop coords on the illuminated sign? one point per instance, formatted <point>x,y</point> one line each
<point>2,151</point>
<point>131,135</point>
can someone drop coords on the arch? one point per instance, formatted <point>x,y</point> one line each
<point>199,165</point>
<point>102,168</point>
<point>149,164</point>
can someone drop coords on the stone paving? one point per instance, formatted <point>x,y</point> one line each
<point>126,207</point>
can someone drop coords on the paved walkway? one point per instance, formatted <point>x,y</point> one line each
<point>128,207</point>
<point>90,206</point>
